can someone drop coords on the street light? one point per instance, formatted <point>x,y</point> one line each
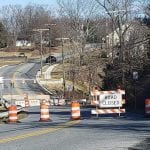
<point>41,47</point>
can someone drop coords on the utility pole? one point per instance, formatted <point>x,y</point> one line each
<point>63,66</point>
<point>49,28</point>
<point>41,46</point>
<point>135,79</point>
<point>117,13</point>
<point>64,81</point>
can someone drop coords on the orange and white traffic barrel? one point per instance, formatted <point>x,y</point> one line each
<point>46,102</point>
<point>44,108</point>
<point>75,111</point>
<point>12,114</point>
<point>147,106</point>
<point>26,100</point>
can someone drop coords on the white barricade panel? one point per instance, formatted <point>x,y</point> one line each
<point>110,100</point>
<point>21,103</point>
<point>34,102</point>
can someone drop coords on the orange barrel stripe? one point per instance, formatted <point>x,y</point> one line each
<point>44,112</point>
<point>12,114</point>
<point>75,110</point>
<point>147,106</point>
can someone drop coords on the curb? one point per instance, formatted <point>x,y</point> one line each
<point>37,80</point>
<point>3,66</point>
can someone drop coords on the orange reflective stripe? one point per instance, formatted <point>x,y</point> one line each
<point>147,106</point>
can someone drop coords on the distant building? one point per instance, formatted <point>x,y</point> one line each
<point>113,37</point>
<point>23,43</point>
<point>132,35</point>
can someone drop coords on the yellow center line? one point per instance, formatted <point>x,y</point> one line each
<point>38,133</point>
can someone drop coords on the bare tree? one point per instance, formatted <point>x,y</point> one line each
<point>10,17</point>
<point>147,10</point>
<point>78,14</point>
<point>119,12</point>
<point>20,21</point>
<point>80,21</point>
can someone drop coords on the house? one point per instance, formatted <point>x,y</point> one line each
<point>134,40</point>
<point>23,43</point>
<point>112,39</point>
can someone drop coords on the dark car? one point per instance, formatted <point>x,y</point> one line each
<point>51,59</point>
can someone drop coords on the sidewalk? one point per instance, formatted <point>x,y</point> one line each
<point>46,81</point>
<point>52,85</point>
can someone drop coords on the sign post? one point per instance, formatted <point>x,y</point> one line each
<point>135,75</point>
<point>135,78</point>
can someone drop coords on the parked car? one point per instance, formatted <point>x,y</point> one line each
<point>51,59</point>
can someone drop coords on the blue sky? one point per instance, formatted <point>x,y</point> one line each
<point>52,3</point>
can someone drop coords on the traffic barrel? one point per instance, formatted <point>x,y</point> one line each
<point>147,106</point>
<point>27,104</point>
<point>75,111</point>
<point>46,102</point>
<point>44,108</point>
<point>12,114</point>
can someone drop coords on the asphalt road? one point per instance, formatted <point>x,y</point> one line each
<point>89,133</point>
<point>22,76</point>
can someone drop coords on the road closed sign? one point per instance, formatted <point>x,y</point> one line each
<point>110,100</point>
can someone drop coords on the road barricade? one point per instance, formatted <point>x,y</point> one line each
<point>94,102</point>
<point>147,107</point>
<point>107,111</point>
<point>108,102</point>
<point>75,111</point>
<point>12,114</point>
